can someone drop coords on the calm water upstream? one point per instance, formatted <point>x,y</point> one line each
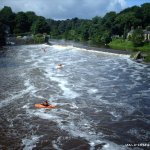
<point>103,99</point>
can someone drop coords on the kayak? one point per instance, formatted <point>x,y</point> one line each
<point>42,106</point>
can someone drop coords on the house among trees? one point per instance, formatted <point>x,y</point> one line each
<point>129,35</point>
<point>146,34</point>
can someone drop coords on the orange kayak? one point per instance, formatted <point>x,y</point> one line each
<point>42,106</point>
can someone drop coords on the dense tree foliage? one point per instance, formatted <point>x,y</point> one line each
<point>137,37</point>
<point>40,26</point>
<point>31,17</point>
<point>2,38</point>
<point>21,23</point>
<point>145,8</point>
<point>7,17</point>
<point>96,30</point>
<point>100,30</point>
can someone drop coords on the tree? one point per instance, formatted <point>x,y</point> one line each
<point>126,21</point>
<point>106,38</point>
<point>21,23</point>
<point>62,27</point>
<point>84,31</point>
<point>146,14</point>
<point>108,21</point>
<point>2,34</point>
<point>7,17</point>
<point>40,26</point>
<point>137,37</point>
<point>31,17</point>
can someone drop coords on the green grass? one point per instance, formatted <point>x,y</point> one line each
<point>38,39</point>
<point>145,48</point>
<point>127,45</point>
<point>121,44</point>
<point>147,59</point>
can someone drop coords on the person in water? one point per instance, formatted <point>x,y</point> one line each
<point>45,103</point>
<point>59,66</point>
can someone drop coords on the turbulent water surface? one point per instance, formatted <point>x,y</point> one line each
<point>102,99</point>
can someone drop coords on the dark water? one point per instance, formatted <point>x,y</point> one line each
<point>103,99</point>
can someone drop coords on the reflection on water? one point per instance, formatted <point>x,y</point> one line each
<point>102,98</point>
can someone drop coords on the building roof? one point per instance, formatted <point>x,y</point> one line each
<point>146,32</point>
<point>131,31</point>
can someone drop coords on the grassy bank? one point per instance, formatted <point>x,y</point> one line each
<point>121,44</point>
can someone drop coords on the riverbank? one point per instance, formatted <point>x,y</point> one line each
<point>122,44</point>
<point>126,45</point>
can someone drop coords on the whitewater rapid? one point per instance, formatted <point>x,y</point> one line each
<point>99,96</point>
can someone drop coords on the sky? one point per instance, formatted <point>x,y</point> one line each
<point>67,9</point>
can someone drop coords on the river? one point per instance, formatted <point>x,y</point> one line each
<point>102,99</point>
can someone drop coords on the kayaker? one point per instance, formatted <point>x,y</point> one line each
<point>45,103</point>
<point>59,66</point>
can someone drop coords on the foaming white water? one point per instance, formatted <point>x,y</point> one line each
<point>85,131</point>
<point>62,47</point>
<point>63,83</point>
<point>55,145</point>
<point>92,91</point>
<point>108,53</point>
<point>113,146</point>
<point>74,106</point>
<point>139,66</point>
<point>26,106</point>
<point>82,129</point>
<point>116,115</point>
<point>67,92</point>
<point>30,143</point>
<point>71,115</point>
<point>71,47</point>
<point>31,87</point>
<point>42,113</point>
<point>20,94</point>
